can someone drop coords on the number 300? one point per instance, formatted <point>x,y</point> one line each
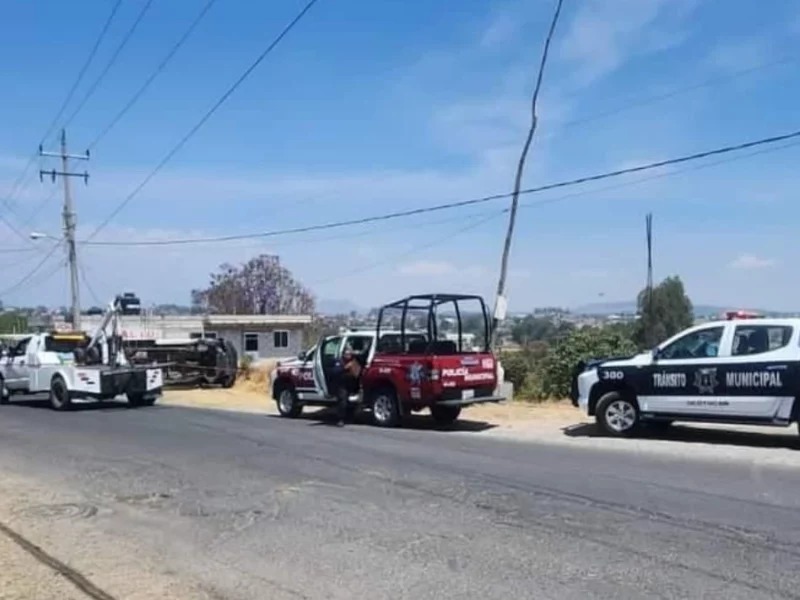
<point>612,374</point>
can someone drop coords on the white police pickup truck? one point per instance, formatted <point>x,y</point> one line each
<point>739,370</point>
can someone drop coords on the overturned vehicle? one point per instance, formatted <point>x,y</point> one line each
<point>188,361</point>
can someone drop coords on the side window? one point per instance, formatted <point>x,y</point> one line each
<point>755,339</point>
<point>359,344</point>
<point>19,349</point>
<point>703,343</point>
<point>330,349</point>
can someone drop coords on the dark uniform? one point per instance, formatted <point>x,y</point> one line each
<point>347,384</point>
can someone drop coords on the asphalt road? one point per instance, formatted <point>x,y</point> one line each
<point>171,502</point>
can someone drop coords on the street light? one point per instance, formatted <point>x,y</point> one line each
<point>38,235</point>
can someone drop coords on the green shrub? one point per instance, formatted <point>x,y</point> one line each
<point>581,344</point>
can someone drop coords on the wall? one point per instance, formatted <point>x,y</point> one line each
<point>266,339</point>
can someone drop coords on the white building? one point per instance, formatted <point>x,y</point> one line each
<point>259,336</point>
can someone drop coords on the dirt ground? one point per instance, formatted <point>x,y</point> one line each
<point>22,576</point>
<point>252,396</point>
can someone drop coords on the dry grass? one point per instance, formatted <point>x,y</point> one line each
<point>255,378</point>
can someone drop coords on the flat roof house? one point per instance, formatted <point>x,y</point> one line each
<point>259,336</point>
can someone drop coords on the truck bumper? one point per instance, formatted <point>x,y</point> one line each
<point>470,401</point>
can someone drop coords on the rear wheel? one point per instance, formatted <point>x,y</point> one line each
<point>445,415</point>
<point>4,393</point>
<point>288,404</point>
<point>618,415</point>
<point>137,400</point>
<point>59,394</point>
<point>385,408</point>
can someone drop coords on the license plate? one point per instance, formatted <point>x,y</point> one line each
<point>467,394</point>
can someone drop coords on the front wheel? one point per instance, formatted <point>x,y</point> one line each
<point>5,395</point>
<point>618,415</point>
<point>445,415</point>
<point>59,394</point>
<point>385,408</point>
<point>288,404</point>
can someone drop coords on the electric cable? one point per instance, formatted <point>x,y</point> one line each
<point>120,47</point>
<point>458,204</point>
<point>175,149</point>
<point>159,68</point>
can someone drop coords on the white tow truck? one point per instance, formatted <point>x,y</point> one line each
<point>73,366</point>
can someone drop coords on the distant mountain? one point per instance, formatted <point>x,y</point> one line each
<point>700,310</point>
<point>330,307</point>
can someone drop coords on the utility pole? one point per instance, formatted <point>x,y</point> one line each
<point>69,218</point>
<point>500,300</point>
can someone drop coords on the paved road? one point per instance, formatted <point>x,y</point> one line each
<point>173,502</point>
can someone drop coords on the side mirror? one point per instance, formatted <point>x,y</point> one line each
<point>301,356</point>
<point>654,353</point>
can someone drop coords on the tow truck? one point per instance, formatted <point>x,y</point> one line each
<point>406,369</point>
<point>72,366</point>
<point>742,369</point>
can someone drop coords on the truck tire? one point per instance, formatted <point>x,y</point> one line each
<point>445,415</point>
<point>385,408</point>
<point>288,404</point>
<point>617,414</point>
<point>5,395</point>
<point>137,400</point>
<point>59,394</point>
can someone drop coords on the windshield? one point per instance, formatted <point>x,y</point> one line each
<point>63,345</point>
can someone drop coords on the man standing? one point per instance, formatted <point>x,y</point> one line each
<point>348,383</point>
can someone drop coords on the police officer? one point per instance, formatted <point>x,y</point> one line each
<point>347,384</point>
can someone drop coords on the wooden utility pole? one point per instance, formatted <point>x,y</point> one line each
<point>68,214</point>
<point>500,301</point>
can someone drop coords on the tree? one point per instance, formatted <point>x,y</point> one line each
<point>13,322</point>
<point>259,286</point>
<point>662,313</point>
<point>537,329</point>
<point>580,344</point>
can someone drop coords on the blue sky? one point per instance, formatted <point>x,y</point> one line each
<point>371,107</point>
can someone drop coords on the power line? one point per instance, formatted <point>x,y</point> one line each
<point>83,70</point>
<point>458,204</point>
<point>30,273</point>
<point>92,88</point>
<point>18,182</point>
<point>39,207</point>
<point>392,259</point>
<point>88,285</point>
<point>138,94</point>
<point>206,117</point>
<point>646,100</point>
<point>441,240</point>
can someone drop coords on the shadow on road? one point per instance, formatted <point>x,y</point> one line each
<point>782,438</point>
<point>327,417</point>
<point>44,403</point>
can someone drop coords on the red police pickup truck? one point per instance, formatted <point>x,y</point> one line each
<point>409,367</point>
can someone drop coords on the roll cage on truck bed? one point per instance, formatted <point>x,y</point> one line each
<point>407,368</point>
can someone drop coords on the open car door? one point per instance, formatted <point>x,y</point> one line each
<point>318,370</point>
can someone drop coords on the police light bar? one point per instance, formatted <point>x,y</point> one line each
<point>741,314</point>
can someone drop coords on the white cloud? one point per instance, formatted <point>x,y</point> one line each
<point>426,268</point>
<point>607,33</point>
<point>751,261</point>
